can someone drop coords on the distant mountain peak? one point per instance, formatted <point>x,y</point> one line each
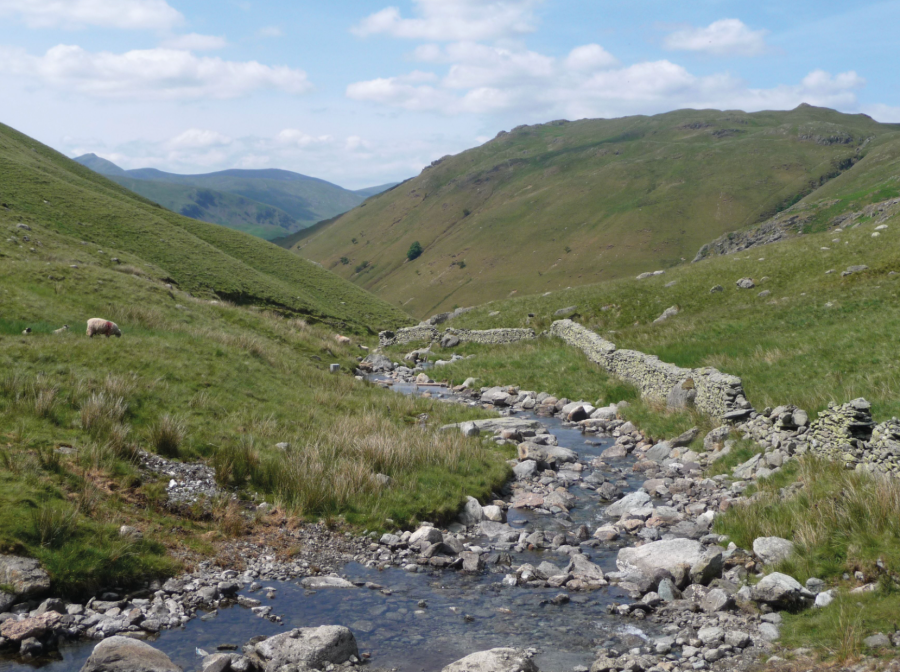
<point>99,165</point>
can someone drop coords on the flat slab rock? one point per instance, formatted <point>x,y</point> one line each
<point>494,660</point>
<point>667,554</point>
<point>123,654</point>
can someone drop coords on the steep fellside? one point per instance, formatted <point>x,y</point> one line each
<point>571,203</point>
<point>40,186</point>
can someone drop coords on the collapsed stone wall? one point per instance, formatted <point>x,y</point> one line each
<point>709,390</point>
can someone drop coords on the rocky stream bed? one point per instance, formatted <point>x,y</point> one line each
<point>598,556</point>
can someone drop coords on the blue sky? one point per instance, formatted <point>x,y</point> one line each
<point>370,91</point>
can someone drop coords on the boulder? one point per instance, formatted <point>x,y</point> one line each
<point>449,341</point>
<point>494,660</point>
<point>745,283</point>
<point>312,647</point>
<point>581,568</point>
<point>21,578</point>
<point>525,470</point>
<point>471,513</point>
<point>708,567</point>
<point>493,513</point>
<point>772,550</point>
<point>469,429</point>
<point>659,452</point>
<point>673,555</point>
<point>716,288</point>
<point>123,654</point>
<point>35,626</point>
<point>716,437</point>
<point>685,439</point>
<point>672,311</point>
<point>426,533</point>
<point>635,500</point>
<point>781,591</point>
<point>378,362</point>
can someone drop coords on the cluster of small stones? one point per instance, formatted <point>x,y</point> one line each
<point>189,483</point>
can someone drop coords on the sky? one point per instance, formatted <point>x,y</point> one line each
<point>364,92</point>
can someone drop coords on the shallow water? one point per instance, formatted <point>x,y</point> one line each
<point>463,614</point>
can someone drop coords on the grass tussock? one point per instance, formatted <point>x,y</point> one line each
<point>166,435</point>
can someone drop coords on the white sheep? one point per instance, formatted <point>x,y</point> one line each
<point>97,325</point>
<point>63,329</point>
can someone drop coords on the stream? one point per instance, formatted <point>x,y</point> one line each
<point>423,621</point>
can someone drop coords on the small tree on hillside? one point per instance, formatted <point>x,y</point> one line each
<point>415,251</point>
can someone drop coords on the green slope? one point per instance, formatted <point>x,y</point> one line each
<point>194,378</point>
<point>40,186</point>
<point>570,203</point>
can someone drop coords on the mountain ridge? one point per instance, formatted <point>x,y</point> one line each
<point>561,204</point>
<point>268,203</point>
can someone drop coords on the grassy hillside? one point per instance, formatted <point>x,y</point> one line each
<point>264,203</point>
<point>571,203</point>
<point>193,377</point>
<point>216,207</point>
<point>40,186</point>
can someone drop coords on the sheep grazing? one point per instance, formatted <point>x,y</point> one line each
<point>26,330</point>
<point>63,329</point>
<point>101,327</point>
<point>343,340</point>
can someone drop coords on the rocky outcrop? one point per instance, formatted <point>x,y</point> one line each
<point>709,390</point>
<point>124,654</point>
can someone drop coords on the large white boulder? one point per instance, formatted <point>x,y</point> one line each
<point>494,660</point>
<point>313,647</point>
<point>668,554</point>
<point>635,500</point>
<point>772,550</point>
<point>123,654</point>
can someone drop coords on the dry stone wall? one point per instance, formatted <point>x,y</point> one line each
<point>417,334</point>
<point>491,336</point>
<point>844,433</point>
<point>709,390</point>
<point>426,332</point>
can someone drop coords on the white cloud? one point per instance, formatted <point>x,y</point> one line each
<point>195,42</point>
<point>269,31</point>
<point>150,74</point>
<point>590,57</point>
<point>132,14</point>
<point>886,114</point>
<point>727,37</point>
<point>588,82</point>
<point>196,138</point>
<point>295,138</point>
<point>450,20</point>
